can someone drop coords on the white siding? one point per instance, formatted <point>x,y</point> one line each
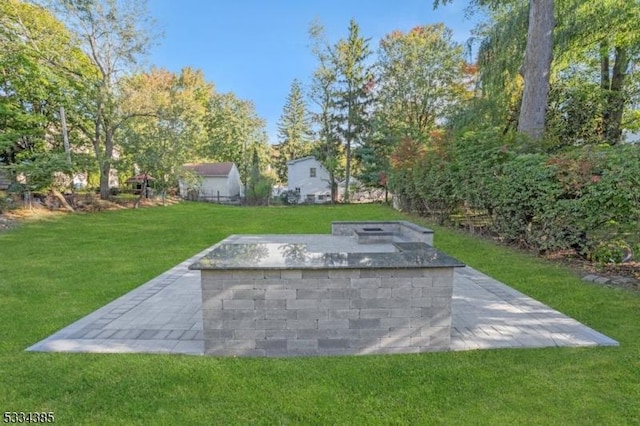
<point>299,176</point>
<point>211,187</point>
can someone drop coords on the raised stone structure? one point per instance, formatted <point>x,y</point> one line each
<point>294,295</point>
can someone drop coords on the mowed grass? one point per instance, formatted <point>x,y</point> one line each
<point>55,271</point>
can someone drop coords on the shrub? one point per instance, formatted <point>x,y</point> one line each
<point>586,198</point>
<point>614,251</point>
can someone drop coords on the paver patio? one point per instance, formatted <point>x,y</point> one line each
<point>164,315</point>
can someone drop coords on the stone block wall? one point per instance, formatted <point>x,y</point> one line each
<point>326,312</point>
<point>403,229</point>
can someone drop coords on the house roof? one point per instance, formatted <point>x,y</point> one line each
<point>300,160</point>
<point>210,169</point>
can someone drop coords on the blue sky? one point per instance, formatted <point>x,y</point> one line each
<point>255,48</point>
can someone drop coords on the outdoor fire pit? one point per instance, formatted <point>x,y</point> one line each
<point>369,287</point>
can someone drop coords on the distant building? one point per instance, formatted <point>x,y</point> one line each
<point>5,182</point>
<point>310,179</point>
<point>215,182</point>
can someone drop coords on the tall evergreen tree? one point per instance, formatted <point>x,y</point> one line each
<point>354,92</point>
<point>328,147</point>
<point>294,129</point>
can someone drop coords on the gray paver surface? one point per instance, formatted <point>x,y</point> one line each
<point>164,315</point>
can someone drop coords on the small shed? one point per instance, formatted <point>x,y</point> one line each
<point>137,183</point>
<point>215,182</point>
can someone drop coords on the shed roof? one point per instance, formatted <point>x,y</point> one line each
<point>210,169</point>
<point>140,178</point>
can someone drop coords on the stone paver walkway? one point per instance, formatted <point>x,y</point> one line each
<point>164,316</point>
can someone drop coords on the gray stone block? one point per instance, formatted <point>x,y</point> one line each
<point>301,324</point>
<point>339,283</point>
<point>279,344</point>
<point>239,324</point>
<point>210,335</point>
<point>213,324</point>
<point>310,294</point>
<point>364,323</point>
<point>280,294</point>
<point>422,302</point>
<point>281,334</point>
<point>375,313</point>
<point>291,274</point>
<point>333,304</point>
<point>311,314</point>
<point>255,274</point>
<point>395,342</point>
<point>302,345</point>
<point>376,273</point>
<point>388,323</point>
<point>360,283</point>
<point>407,273</point>
<point>248,294</point>
<point>333,324</point>
<point>272,274</point>
<point>281,314</point>
<point>406,292</point>
<point>246,314</point>
<point>422,282</point>
<point>371,333</point>
<point>344,273</point>
<point>212,304</point>
<point>315,273</point>
<point>270,324</point>
<point>237,304</point>
<point>333,344</point>
<point>395,303</point>
<point>302,304</point>
<point>343,314</point>
<point>271,304</point>
<point>375,293</point>
<point>309,334</point>
<point>406,313</point>
<point>237,284</point>
<point>249,334</point>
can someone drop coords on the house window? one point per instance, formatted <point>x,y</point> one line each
<point>312,172</point>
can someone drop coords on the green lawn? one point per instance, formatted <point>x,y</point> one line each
<point>55,271</point>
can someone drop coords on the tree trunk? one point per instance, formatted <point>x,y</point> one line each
<point>105,167</point>
<point>612,117</point>
<point>347,173</point>
<point>536,68</point>
<point>62,200</point>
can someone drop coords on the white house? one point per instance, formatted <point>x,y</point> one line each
<point>217,182</point>
<point>310,179</point>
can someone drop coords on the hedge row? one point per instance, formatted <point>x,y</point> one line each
<point>587,198</point>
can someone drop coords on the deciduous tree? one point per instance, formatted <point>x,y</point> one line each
<point>114,34</point>
<point>160,143</point>
<point>421,79</point>
<point>41,68</point>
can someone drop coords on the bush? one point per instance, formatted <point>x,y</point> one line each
<point>587,198</point>
<point>615,251</point>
